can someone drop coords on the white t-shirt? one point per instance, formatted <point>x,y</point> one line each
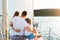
<point>11,32</point>
<point>19,23</point>
<point>27,32</point>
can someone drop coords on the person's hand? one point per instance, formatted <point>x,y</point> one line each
<point>17,30</point>
<point>11,24</point>
<point>34,31</point>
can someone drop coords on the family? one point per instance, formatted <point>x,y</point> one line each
<point>22,26</point>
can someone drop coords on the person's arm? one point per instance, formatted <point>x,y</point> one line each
<point>16,30</point>
<point>34,31</point>
<point>11,24</point>
<point>28,28</point>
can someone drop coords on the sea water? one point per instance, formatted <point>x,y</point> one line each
<point>48,27</point>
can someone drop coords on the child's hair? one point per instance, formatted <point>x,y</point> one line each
<point>28,20</point>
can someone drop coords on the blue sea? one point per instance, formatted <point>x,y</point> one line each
<point>48,27</point>
<point>52,36</point>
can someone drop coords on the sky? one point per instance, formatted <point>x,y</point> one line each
<point>19,5</point>
<point>46,4</point>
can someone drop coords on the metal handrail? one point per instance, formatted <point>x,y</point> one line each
<point>49,33</point>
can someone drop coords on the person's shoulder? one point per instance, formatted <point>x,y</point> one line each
<point>16,17</point>
<point>21,18</point>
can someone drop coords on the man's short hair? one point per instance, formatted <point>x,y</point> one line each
<point>24,13</point>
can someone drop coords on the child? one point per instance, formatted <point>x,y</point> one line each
<point>34,31</point>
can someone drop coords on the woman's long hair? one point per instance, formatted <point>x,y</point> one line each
<point>16,14</point>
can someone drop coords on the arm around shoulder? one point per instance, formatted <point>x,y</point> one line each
<point>28,28</point>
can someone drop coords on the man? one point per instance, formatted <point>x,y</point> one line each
<point>20,23</point>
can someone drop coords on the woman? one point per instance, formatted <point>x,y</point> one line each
<point>11,24</point>
<point>13,31</point>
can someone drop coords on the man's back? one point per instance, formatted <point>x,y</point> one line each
<point>19,23</point>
